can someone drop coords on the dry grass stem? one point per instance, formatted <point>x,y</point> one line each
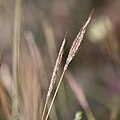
<point>52,50</point>
<point>51,45</point>
<point>72,52</point>
<point>54,75</point>
<point>16,40</point>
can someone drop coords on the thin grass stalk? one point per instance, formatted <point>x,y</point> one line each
<point>72,52</point>
<point>56,91</point>
<point>53,79</point>
<point>16,42</point>
<point>50,42</point>
<point>52,50</point>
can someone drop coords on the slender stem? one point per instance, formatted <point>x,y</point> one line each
<point>16,40</point>
<point>55,95</point>
<point>45,106</point>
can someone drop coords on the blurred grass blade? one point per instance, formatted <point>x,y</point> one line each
<point>16,40</point>
<point>4,104</point>
<point>49,37</point>
<point>72,52</point>
<point>79,93</point>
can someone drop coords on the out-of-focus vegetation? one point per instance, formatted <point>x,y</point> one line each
<point>94,72</point>
<point>78,116</point>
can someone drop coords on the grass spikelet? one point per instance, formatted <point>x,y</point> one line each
<point>56,68</point>
<point>72,52</point>
<point>53,79</point>
<point>77,42</point>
